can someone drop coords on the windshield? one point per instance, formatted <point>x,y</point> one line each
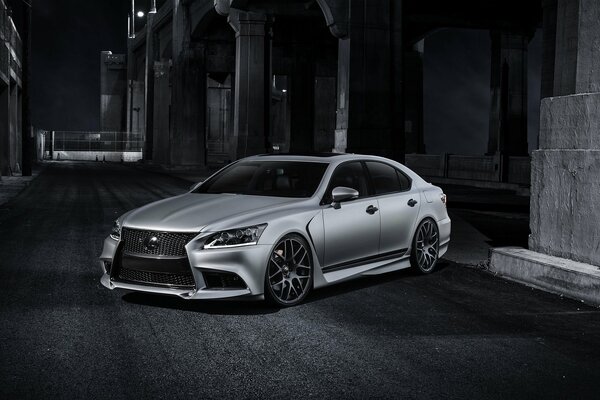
<point>267,178</point>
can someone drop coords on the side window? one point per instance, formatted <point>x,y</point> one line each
<point>405,181</point>
<point>387,179</point>
<point>350,175</point>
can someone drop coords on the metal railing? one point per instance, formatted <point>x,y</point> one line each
<point>89,141</point>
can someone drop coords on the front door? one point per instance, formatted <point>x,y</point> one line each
<point>352,230</point>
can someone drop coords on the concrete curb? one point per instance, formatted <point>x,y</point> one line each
<point>553,274</point>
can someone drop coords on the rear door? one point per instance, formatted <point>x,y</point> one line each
<point>398,206</point>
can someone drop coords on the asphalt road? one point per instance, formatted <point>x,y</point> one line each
<point>459,333</point>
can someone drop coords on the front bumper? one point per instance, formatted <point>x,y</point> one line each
<point>248,262</point>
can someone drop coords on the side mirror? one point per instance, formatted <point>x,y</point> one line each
<point>341,193</point>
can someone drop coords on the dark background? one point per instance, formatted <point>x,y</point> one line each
<point>68,36</point>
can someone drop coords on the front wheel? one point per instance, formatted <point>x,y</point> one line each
<point>425,249</point>
<point>289,274</point>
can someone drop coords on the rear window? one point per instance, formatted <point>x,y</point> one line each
<point>387,179</point>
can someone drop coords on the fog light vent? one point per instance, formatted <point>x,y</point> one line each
<point>107,266</point>
<point>223,280</point>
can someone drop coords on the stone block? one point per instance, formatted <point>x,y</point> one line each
<point>565,204</point>
<point>557,275</point>
<point>570,122</point>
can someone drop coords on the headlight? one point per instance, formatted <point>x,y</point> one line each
<point>235,237</point>
<point>116,230</point>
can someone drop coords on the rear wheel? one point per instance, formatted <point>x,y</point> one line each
<point>289,275</point>
<point>425,249</point>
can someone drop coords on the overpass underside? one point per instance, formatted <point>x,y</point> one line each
<point>213,81</point>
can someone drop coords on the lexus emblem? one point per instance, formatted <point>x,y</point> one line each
<point>151,243</point>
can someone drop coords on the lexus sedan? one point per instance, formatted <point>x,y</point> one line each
<point>276,226</point>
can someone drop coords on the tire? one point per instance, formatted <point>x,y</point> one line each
<point>289,272</point>
<point>425,247</point>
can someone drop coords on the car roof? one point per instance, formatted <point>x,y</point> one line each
<point>315,157</point>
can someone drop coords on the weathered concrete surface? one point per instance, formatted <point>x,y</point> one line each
<point>570,122</point>
<point>565,211</point>
<point>557,275</point>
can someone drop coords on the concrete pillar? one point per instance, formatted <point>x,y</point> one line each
<point>302,97</point>
<point>370,110</point>
<point>151,56</point>
<point>413,99</point>
<point>161,112</point>
<point>15,131</point>
<point>113,92</point>
<point>252,102</point>
<point>21,136</point>
<point>4,129</point>
<point>508,87</point>
<point>188,142</point>
<point>130,78</point>
<point>548,47</point>
<point>565,211</point>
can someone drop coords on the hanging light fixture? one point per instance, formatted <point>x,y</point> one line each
<point>153,8</point>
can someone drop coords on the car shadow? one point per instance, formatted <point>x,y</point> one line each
<point>239,307</point>
<point>216,307</point>
<point>364,282</point>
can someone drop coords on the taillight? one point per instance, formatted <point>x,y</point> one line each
<point>443,197</point>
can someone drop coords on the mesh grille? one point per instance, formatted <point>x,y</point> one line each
<point>168,243</point>
<point>157,278</point>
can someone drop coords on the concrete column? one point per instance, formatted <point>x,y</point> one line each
<point>508,86</point>
<point>161,112</point>
<point>188,141</point>
<point>252,102</point>
<point>4,129</point>
<point>413,99</point>
<point>15,131</point>
<point>138,115</point>
<point>113,92</point>
<point>302,97</point>
<point>370,102</point>
<point>565,211</point>
<point>151,56</point>
<point>21,136</point>
<point>548,47</point>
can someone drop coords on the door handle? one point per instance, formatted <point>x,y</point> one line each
<point>412,202</point>
<point>372,210</point>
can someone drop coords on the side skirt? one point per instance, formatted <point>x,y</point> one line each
<point>372,268</point>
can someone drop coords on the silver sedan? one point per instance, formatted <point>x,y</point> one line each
<point>277,226</point>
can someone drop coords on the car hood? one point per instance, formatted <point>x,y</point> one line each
<point>191,212</point>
